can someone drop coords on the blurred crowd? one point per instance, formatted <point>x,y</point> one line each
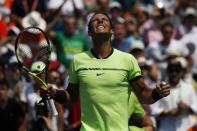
<point>161,34</point>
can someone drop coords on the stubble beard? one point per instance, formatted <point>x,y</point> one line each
<point>101,37</point>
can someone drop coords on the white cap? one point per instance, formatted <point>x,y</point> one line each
<point>142,60</point>
<point>115,4</point>
<point>182,61</point>
<point>54,4</point>
<point>15,30</point>
<point>137,44</point>
<point>173,53</point>
<point>190,11</point>
<point>13,59</point>
<point>34,19</point>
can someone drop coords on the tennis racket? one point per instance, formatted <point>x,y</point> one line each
<point>32,49</point>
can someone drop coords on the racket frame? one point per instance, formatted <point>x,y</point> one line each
<point>50,102</point>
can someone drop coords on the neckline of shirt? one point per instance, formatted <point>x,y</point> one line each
<point>96,56</point>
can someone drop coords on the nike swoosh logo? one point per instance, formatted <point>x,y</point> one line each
<point>98,74</point>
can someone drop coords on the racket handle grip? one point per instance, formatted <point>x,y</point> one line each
<point>52,107</point>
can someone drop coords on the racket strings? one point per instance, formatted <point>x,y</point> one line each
<point>32,46</point>
<point>43,53</point>
<point>26,54</point>
<point>24,51</point>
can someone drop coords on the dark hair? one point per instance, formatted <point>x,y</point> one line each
<point>90,21</point>
<point>4,82</point>
<point>67,16</point>
<point>174,66</point>
<point>166,24</point>
<point>13,66</point>
<point>2,64</point>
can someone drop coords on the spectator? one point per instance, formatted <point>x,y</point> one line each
<point>187,75</point>
<point>57,122</point>
<point>7,48</point>
<point>178,107</point>
<point>119,41</point>
<point>34,18</point>
<point>68,7</point>
<point>103,5</point>
<point>189,39</point>
<point>26,6</point>
<point>148,27</point>
<point>90,5</point>
<point>115,9</point>
<point>12,115</point>
<point>188,22</point>
<point>70,41</point>
<point>158,51</point>
<point>132,29</point>
<point>148,67</point>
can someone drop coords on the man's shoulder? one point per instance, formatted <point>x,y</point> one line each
<point>122,54</point>
<point>82,55</point>
<point>59,33</point>
<point>80,35</point>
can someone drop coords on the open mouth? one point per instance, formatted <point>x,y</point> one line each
<point>100,27</point>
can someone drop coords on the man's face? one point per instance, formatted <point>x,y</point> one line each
<point>3,92</point>
<point>70,25</point>
<point>13,73</point>
<point>174,76</point>
<point>189,21</point>
<point>115,12</point>
<point>54,78</point>
<point>119,31</point>
<point>100,24</point>
<point>103,4</point>
<point>131,27</point>
<point>167,32</point>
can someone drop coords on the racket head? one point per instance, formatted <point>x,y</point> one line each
<point>32,49</point>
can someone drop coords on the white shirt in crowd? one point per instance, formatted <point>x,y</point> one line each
<point>190,42</point>
<point>68,6</point>
<point>159,52</point>
<point>183,121</point>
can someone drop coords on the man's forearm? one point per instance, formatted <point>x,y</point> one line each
<point>148,96</point>
<point>141,90</point>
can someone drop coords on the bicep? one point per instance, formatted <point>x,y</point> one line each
<point>138,84</point>
<point>140,88</point>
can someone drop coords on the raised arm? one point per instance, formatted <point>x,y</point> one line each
<point>145,94</point>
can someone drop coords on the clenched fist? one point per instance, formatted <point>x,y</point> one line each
<point>161,90</point>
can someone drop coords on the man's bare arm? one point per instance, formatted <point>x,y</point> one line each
<point>145,94</point>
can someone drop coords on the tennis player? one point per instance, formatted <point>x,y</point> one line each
<point>101,78</point>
